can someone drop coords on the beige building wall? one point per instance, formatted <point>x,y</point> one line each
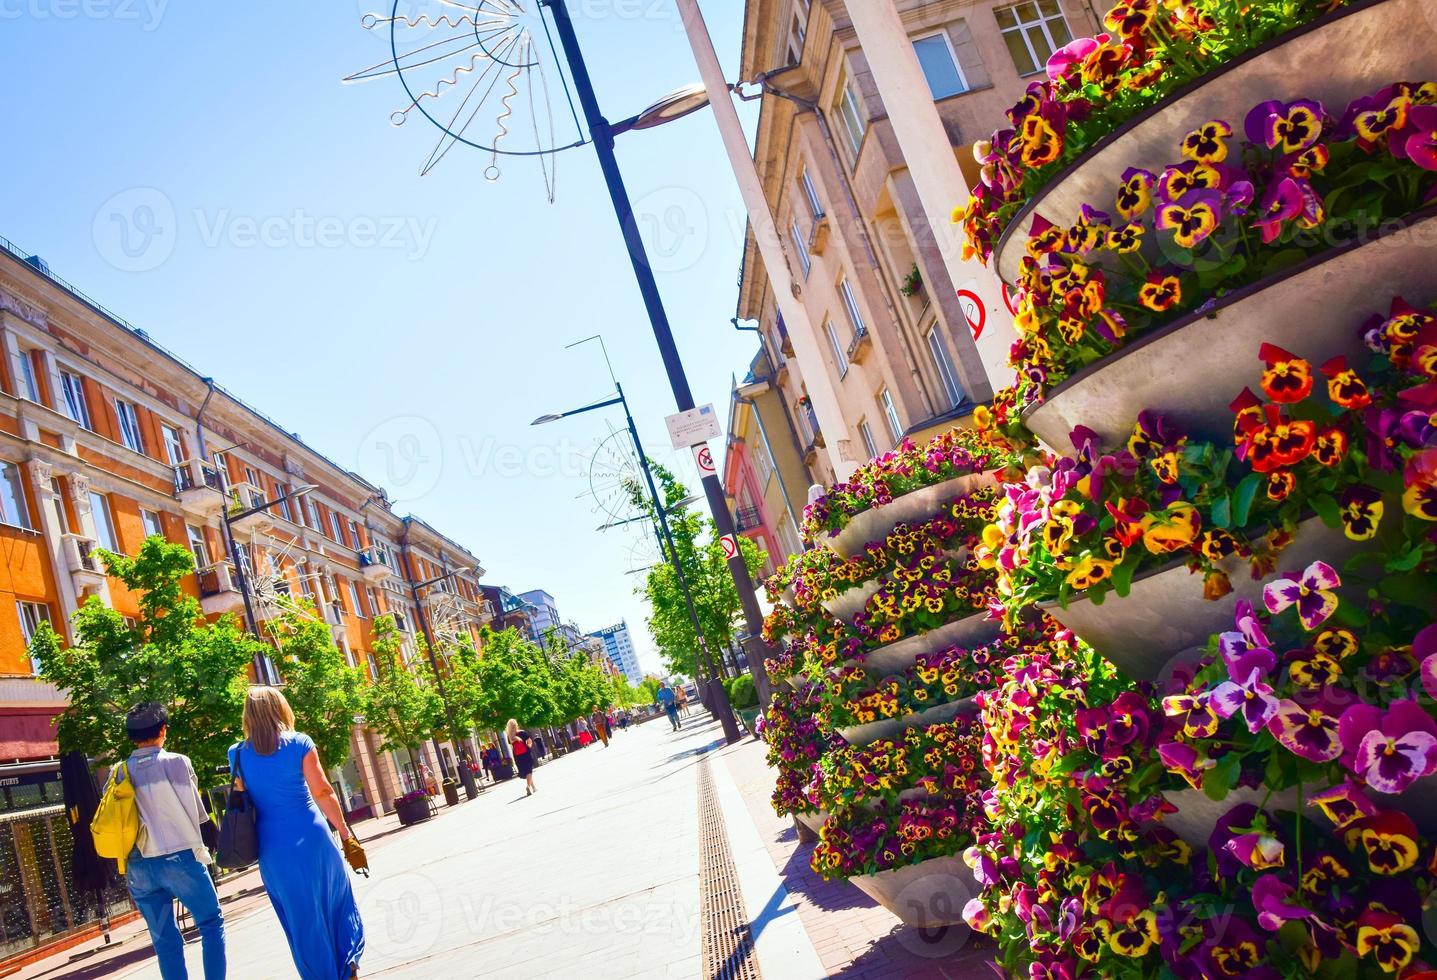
<point>894,336</point>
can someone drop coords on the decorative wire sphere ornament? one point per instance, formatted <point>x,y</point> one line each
<point>613,470</point>
<point>486,74</point>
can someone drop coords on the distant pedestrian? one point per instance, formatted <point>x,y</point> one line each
<point>665,697</point>
<point>170,860</point>
<point>521,748</point>
<point>681,700</point>
<point>623,721</point>
<point>299,861</point>
<point>601,728</point>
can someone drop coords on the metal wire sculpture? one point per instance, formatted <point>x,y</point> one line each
<point>479,72</point>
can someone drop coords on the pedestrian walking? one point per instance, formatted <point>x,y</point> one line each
<point>521,748</point>
<point>666,699</point>
<point>299,861</point>
<point>170,860</point>
<point>601,729</point>
<point>681,700</point>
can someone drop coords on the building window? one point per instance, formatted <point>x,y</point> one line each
<point>762,465</point>
<point>940,65</point>
<point>32,614</point>
<point>129,425</point>
<point>74,397</point>
<point>337,526</point>
<point>797,35</point>
<point>354,534</point>
<point>28,387</point>
<point>358,606</point>
<point>850,109</point>
<point>944,364</point>
<point>222,464</point>
<point>151,522</point>
<point>840,357</point>
<point>801,243</point>
<point>197,546</point>
<point>104,522</point>
<point>12,497</point>
<point>810,194</point>
<point>57,504</point>
<point>869,446</point>
<point>281,495</point>
<point>174,445</point>
<point>890,414</point>
<point>850,303</point>
<point>1033,31</point>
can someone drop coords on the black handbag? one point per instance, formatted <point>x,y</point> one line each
<point>239,839</point>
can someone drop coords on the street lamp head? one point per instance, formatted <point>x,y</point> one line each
<point>542,419</point>
<point>300,491</point>
<point>677,104</point>
<point>688,501</point>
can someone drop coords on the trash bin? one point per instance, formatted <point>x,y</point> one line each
<point>451,792</point>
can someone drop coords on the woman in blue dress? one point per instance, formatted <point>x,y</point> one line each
<point>299,861</point>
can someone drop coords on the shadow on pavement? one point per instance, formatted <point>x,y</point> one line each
<point>103,967</point>
<point>924,954</point>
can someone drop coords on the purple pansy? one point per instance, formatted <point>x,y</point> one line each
<point>1311,592</point>
<point>1251,697</point>
<point>1306,731</point>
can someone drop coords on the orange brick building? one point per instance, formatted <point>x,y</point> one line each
<point>106,438</point>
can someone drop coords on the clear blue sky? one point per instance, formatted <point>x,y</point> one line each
<point>434,323</point>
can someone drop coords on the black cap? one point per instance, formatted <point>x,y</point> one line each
<point>146,718</point>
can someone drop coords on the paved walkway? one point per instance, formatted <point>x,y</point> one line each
<point>595,876</point>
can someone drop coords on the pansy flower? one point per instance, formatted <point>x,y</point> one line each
<point>1280,484</point>
<point>1343,804</point>
<point>1307,731</point>
<point>1185,761</point>
<point>1218,543</point>
<point>1207,143</point>
<point>1194,713</point>
<point>1250,697</point>
<point>1088,571</point>
<point>1041,143</point>
<point>1126,239</point>
<point>1161,292</point>
<point>1274,900</point>
<point>1131,17</point>
<point>1424,649</point>
<point>1045,237</point>
<point>1257,850</point>
<point>1330,447</point>
<point>1135,193</point>
<point>1373,117</point>
<point>1288,378</point>
<point>1280,204</point>
<point>1420,144</point>
<point>1286,127</point>
<point>1361,511</point>
<point>1133,935</point>
<point>1389,839</point>
<point>1311,592</point>
<point>1419,477</point>
<point>1344,386</point>
<point>1171,529</point>
<point>1396,751</point>
<point>1191,218</point>
<point>1387,938</point>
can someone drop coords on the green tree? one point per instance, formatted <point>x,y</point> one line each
<point>512,679</point>
<point>324,691</point>
<point>170,655</point>
<point>715,596</point>
<point>401,706</point>
<point>648,690</point>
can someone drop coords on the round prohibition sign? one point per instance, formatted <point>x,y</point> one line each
<point>730,545</point>
<point>973,311</point>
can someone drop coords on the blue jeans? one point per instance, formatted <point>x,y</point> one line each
<point>154,885</point>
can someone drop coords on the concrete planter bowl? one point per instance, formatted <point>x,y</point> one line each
<point>875,523</point>
<point>1165,616</point>
<point>872,731</point>
<point>973,630</point>
<point>1335,59</point>
<point>812,822</point>
<point>926,895</point>
<point>1191,369</point>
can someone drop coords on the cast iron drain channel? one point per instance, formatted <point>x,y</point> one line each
<point>727,943</point>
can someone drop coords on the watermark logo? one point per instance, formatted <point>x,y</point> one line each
<point>402,914</point>
<point>674,223</point>
<point>136,230</point>
<point>146,13</point>
<point>405,455</point>
<point>936,901</point>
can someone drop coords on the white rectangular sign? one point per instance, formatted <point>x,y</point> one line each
<point>697,425</point>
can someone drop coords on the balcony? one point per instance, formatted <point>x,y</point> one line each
<point>818,236</point>
<point>243,497</point>
<point>199,488</point>
<point>747,519</point>
<point>219,592</point>
<point>784,343</point>
<point>859,347</point>
<point>84,565</point>
<point>374,565</point>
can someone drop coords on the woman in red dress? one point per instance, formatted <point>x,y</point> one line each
<point>522,750</point>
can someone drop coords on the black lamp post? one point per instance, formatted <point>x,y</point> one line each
<point>262,671</point>
<point>465,776</point>
<point>602,132</point>
<point>717,696</point>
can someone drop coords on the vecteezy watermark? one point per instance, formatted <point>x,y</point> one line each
<point>137,230</point>
<point>674,222</point>
<point>405,455</point>
<point>146,13</point>
<point>403,915</point>
<point>487,916</point>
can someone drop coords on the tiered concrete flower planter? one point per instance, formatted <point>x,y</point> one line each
<point>1191,369</point>
<point>848,604</point>
<point>1335,59</point>
<point>888,727</point>
<point>1164,616</point>
<point>875,523</point>
<point>973,630</point>
<point>813,821</point>
<point>926,895</point>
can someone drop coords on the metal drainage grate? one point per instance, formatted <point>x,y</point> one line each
<point>727,943</point>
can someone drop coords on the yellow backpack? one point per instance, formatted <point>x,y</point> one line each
<point>116,826</point>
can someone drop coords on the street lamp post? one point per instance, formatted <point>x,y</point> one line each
<point>717,696</point>
<point>262,671</point>
<point>465,776</point>
<point>602,134</point>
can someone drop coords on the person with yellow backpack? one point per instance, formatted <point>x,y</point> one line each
<point>149,821</point>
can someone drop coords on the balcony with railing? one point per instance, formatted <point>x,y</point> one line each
<point>244,497</point>
<point>374,565</point>
<point>199,488</point>
<point>83,563</point>
<point>747,519</point>
<point>219,589</point>
<point>809,430</point>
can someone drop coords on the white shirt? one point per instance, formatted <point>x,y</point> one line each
<point>168,797</point>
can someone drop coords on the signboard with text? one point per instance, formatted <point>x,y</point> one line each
<point>691,428</point>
